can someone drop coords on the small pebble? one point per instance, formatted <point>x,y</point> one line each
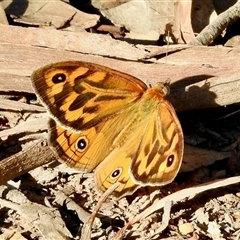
<point>185,228</point>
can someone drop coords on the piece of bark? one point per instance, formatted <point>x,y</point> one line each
<point>35,123</point>
<point>11,105</point>
<point>210,93</point>
<point>148,15</point>
<point>23,162</point>
<point>116,32</point>
<point>233,42</point>
<point>212,75</point>
<point>192,155</point>
<point>182,22</point>
<point>3,17</point>
<point>79,42</point>
<point>57,14</point>
<point>14,83</point>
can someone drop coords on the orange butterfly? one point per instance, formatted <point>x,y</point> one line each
<point>112,123</point>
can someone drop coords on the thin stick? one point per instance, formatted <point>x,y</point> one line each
<point>86,229</point>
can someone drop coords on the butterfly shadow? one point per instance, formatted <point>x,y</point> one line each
<point>193,93</point>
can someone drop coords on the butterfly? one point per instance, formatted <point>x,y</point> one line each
<point>112,123</point>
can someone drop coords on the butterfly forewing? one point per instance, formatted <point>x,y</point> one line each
<point>79,95</point>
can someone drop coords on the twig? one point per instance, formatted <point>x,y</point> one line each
<point>63,199</point>
<point>86,229</point>
<point>23,162</point>
<point>210,32</point>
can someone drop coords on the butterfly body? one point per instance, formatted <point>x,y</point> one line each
<point>110,122</point>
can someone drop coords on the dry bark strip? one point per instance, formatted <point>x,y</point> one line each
<point>10,105</point>
<point>201,77</point>
<point>23,162</point>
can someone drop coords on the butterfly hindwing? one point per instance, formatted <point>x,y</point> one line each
<point>149,155</point>
<point>159,154</point>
